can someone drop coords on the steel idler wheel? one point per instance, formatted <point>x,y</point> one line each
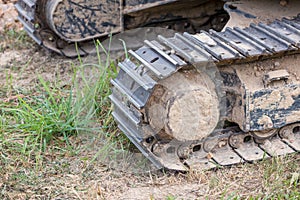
<point>185,106</point>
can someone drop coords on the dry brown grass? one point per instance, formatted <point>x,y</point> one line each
<point>68,178</point>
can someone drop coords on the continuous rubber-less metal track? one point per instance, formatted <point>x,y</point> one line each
<point>159,59</point>
<point>26,10</point>
<point>70,27</point>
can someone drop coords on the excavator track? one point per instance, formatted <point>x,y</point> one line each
<point>258,122</point>
<point>69,27</point>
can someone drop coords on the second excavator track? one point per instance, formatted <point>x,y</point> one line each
<point>258,66</point>
<point>70,27</point>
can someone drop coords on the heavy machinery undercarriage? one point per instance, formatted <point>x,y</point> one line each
<point>174,113</point>
<point>68,27</point>
<point>211,98</point>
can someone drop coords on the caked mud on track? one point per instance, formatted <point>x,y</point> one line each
<point>235,98</point>
<point>57,25</point>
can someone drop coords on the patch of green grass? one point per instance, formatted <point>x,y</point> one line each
<point>280,179</point>
<point>34,122</point>
<point>14,39</point>
<point>170,197</point>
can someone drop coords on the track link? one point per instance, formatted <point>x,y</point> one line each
<point>159,59</point>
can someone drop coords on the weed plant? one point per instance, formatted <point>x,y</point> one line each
<point>33,122</point>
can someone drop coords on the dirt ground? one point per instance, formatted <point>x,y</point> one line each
<point>126,175</point>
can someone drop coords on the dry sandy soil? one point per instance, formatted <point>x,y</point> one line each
<point>125,175</point>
